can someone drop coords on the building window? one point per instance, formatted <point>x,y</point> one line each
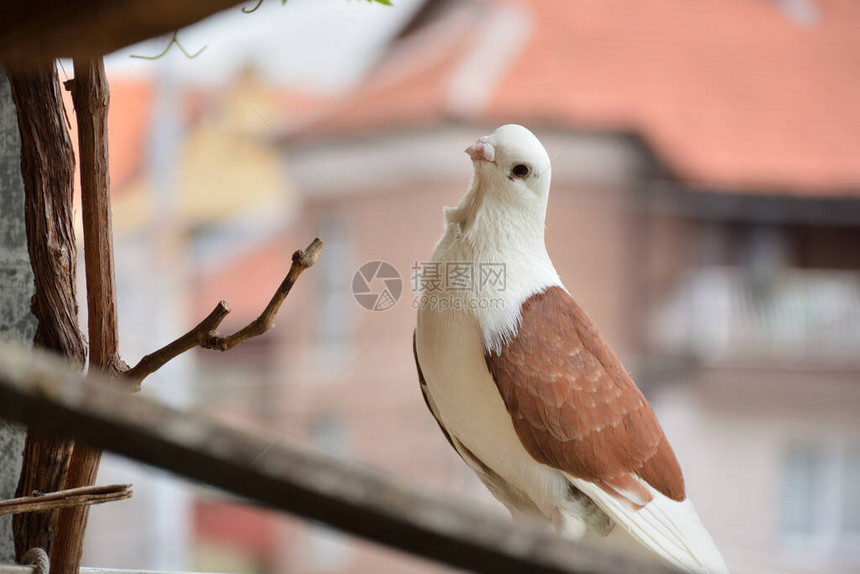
<point>821,500</point>
<point>746,301</point>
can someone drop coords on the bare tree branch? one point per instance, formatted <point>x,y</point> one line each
<point>91,96</point>
<point>205,334</point>
<point>83,496</point>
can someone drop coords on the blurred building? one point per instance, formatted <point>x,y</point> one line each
<point>705,210</point>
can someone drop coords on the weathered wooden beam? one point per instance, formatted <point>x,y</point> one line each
<point>23,569</point>
<point>37,390</point>
<point>41,30</point>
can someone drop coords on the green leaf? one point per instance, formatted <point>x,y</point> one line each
<point>385,2</point>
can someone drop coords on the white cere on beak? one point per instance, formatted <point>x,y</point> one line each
<point>482,150</point>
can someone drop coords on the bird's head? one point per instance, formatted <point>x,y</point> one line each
<point>513,160</point>
<point>511,179</point>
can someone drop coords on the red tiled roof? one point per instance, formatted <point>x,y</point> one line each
<point>728,93</point>
<point>423,94</point>
<point>406,89</point>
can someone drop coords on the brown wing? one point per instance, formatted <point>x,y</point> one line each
<point>574,406</point>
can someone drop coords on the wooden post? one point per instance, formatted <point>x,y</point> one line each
<point>91,98</point>
<point>47,167</point>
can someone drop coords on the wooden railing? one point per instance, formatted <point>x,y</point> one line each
<point>38,390</point>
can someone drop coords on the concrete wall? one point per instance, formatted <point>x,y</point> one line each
<point>16,288</point>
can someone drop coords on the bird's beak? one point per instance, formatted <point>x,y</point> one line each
<point>482,150</point>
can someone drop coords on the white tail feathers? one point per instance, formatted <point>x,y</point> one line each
<point>671,530</point>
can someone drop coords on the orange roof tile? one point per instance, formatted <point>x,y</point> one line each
<point>729,93</point>
<point>408,88</point>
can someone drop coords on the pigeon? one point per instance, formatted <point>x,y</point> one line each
<point>524,386</point>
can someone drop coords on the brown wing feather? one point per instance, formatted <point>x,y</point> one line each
<point>574,406</point>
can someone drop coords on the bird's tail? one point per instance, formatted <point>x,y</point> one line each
<point>668,529</point>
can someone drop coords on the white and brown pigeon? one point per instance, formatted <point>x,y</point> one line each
<point>527,390</point>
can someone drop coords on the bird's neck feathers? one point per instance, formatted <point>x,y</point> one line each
<point>492,218</point>
<point>490,231</point>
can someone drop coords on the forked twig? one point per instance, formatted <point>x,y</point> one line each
<point>205,334</point>
<point>83,496</point>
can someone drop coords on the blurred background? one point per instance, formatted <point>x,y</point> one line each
<point>705,210</point>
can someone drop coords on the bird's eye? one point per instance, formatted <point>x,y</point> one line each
<point>520,170</point>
